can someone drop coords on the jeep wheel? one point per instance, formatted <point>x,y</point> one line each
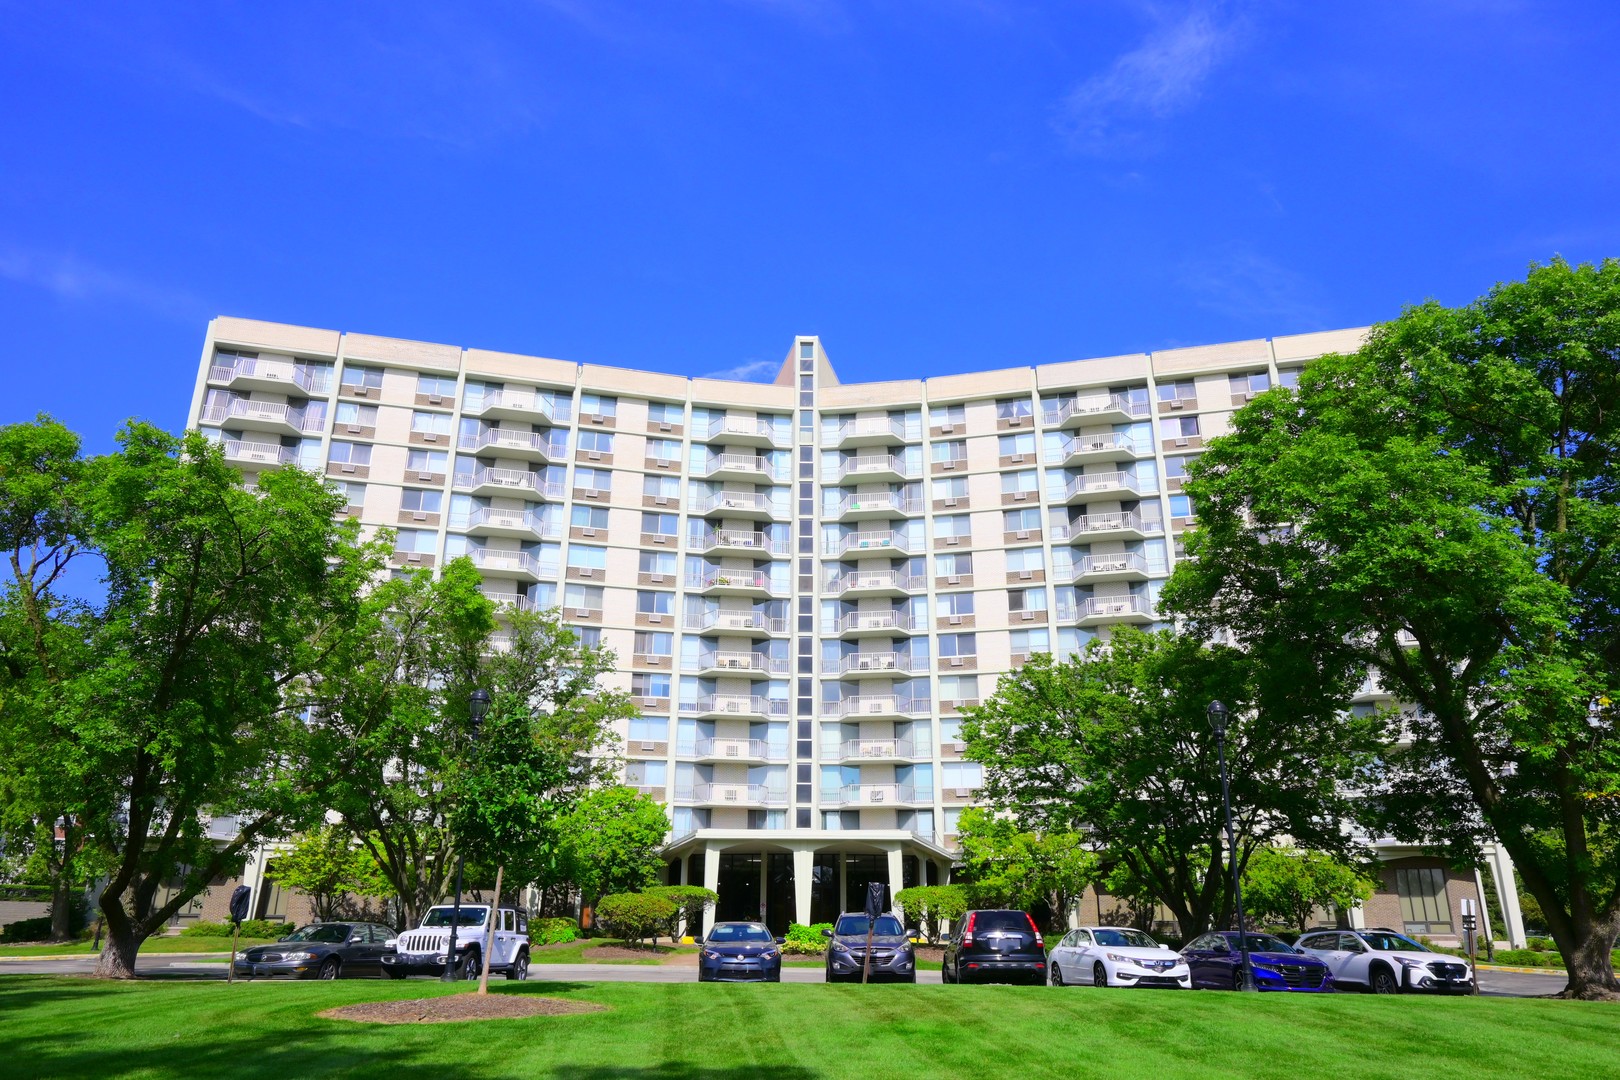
<point>1384,982</point>
<point>329,968</point>
<point>518,970</point>
<point>471,965</point>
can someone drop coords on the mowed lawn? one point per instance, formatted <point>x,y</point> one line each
<point>63,1027</point>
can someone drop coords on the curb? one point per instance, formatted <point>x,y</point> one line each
<point>1524,970</point>
<point>92,956</point>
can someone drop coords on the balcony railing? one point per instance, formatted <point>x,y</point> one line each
<point>876,705</point>
<point>733,794</point>
<point>1111,523</point>
<point>518,401</point>
<point>877,749</point>
<point>510,562</point>
<point>735,463</point>
<point>739,540</point>
<point>512,479</point>
<point>316,381</point>
<point>875,620</point>
<point>878,504</point>
<point>878,427</point>
<point>1110,608</point>
<point>896,662</point>
<point>744,428</point>
<point>733,579</point>
<point>1102,483</point>
<point>1122,404</point>
<point>494,517</point>
<point>874,542</point>
<point>259,453</point>
<point>876,465</point>
<point>1122,564</point>
<point>1115,444</point>
<point>526,442</point>
<point>876,795</point>
<point>743,502</point>
<point>737,621</point>
<point>736,704</point>
<point>740,750</point>
<point>268,412</point>
<point>876,579</point>
<point>742,662</point>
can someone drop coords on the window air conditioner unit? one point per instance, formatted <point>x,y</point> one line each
<point>654,661</point>
<point>1014,421</point>
<point>358,391</point>
<point>1175,403</point>
<point>1025,575</point>
<point>660,500</point>
<point>588,531</point>
<point>417,515</point>
<point>355,429</point>
<point>963,793</point>
<point>956,620</point>
<point>413,557</point>
<point>435,399</point>
<point>950,464</point>
<point>946,429</point>
<point>1181,442</point>
<point>662,464</point>
<point>1249,396</point>
<point>1022,534</point>
<point>956,661</point>
<point>656,579</point>
<point>586,571</point>
<point>593,455</point>
<point>654,618</point>
<point>1026,615</point>
<point>598,418</point>
<point>1018,459</point>
<point>428,436</point>
<point>424,476</point>
<point>582,613</point>
<point>592,493</point>
<point>666,427</point>
<point>959,746</point>
<point>346,467</point>
<point>1020,496</point>
<point>733,706</point>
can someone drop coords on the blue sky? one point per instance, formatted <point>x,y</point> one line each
<point>682,185</point>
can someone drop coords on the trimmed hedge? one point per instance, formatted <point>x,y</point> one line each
<point>251,928</point>
<point>39,929</point>
<point>805,940</point>
<point>552,931</point>
<point>690,902</point>
<point>634,916</point>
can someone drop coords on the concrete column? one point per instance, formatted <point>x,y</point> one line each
<point>804,868</point>
<point>897,876</point>
<point>764,881</point>
<point>1507,892</point>
<point>1485,930</point>
<point>843,886</point>
<point>711,881</point>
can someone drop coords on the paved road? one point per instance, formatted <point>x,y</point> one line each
<point>1492,983</point>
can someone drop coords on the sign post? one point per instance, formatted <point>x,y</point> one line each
<point>240,898</point>
<point>1470,920</point>
<point>877,902</point>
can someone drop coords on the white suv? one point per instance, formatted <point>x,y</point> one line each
<point>425,950</point>
<point>1385,962</point>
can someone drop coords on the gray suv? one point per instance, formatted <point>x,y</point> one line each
<point>893,958</point>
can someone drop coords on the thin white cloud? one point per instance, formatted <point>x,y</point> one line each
<point>73,280</point>
<point>1245,285</point>
<point>749,371</point>
<point>1114,109</point>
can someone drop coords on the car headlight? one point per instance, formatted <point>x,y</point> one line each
<point>839,946</point>
<point>238,956</point>
<point>296,957</point>
<point>769,954</point>
<point>1411,964</point>
<point>1118,959</point>
<point>711,954</point>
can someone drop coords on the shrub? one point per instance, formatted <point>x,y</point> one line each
<point>689,901</point>
<point>552,931</point>
<point>251,928</point>
<point>927,906</point>
<point>805,940</point>
<point>1538,944</point>
<point>634,916</point>
<point>40,929</point>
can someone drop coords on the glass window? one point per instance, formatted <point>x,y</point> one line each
<point>597,405</point>
<point>430,423</point>
<point>1180,390</point>
<point>655,643</point>
<point>1025,520</point>
<point>347,412</point>
<point>1013,445</point>
<point>949,450</point>
<point>419,541</point>
<point>1181,506</point>
<point>664,449</point>
<point>1026,600</point>
<point>586,556</point>
<point>649,729</point>
<point>651,602</point>
<point>953,564</point>
<point>958,688</point>
<point>956,603</point>
<point>360,375</point>
<point>1026,558</point>
<point>1424,906</point>
<point>348,453</point>
<point>425,461</point>
<point>961,774</point>
<point>959,525</point>
<point>1178,427</point>
<point>1177,466</point>
<point>588,517</point>
<point>958,645</point>
<point>658,562</point>
<point>1021,480</point>
<point>1014,409</point>
<point>660,524</point>
<point>1253,383</point>
<point>420,501</point>
<point>596,442</point>
<point>593,479</point>
<point>436,385</point>
<point>583,597</point>
<point>660,412</point>
<point>950,487</point>
<point>947,415</point>
<point>1288,377</point>
<point>661,487</point>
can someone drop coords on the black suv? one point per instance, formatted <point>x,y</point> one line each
<point>893,956</point>
<point>995,946</point>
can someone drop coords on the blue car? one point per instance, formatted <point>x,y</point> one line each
<point>740,952</point>
<point>1215,964</point>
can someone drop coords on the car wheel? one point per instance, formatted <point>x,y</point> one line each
<point>1237,980</point>
<point>1057,975</point>
<point>471,964</point>
<point>519,969</point>
<point>330,968</point>
<point>1384,982</point>
<point>1099,975</point>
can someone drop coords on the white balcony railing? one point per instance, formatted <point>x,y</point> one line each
<point>876,579</point>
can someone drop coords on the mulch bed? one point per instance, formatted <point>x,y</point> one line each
<point>454,1007</point>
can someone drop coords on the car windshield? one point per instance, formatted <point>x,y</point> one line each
<point>725,932</point>
<point>1134,939</point>
<point>887,926</point>
<point>1264,943</point>
<point>1384,941</point>
<point>443,916</point>
<point>323,933</point>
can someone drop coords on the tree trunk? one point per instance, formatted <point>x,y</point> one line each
<point>117,960</point>
<point>1589,960</point>
<point>61,908</point>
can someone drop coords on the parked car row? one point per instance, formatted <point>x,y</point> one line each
<point>334,950</point>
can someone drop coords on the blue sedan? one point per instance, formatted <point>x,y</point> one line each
<point>740,952</point>
<point>1215,964</point>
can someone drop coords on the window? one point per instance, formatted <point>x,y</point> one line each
<point>957,688</point>
<point>1253,383</point>
<point>807,350</point>
<point>957,525</point>
<point>1015,409</point>
<point>1176,466</point>
<point>352,415</point>
<point>425,461</point>
<point>1180,390</point>
<point>1424,906</point>
<point>958,645</point>
<point>596,442</point>
<point>582,597</point>
<point>647,685</point>
<point>359,375</point>
<point>354,494</point>
<point>420,501</point>
<point>658,562</point>
<point>597,405</point>
<point>961,774</point>
<point>1032,600</point>
<point>430,423</point>
<point>649,602</point>
<point>419,541</point>
<point>659,412</point>
<point>664,450</point>
<point>649,729</point>
<point>348,453</point>
<point>660,524</point>
<point>957,603</point>
<point>1016,445</point>
<point>767,819</point>
<point>1288,377</point>
<point>593,479</point>
<point>950,450</point>
<point>587,557</point>
<point>590,637</point>
<point>840,821</point>
<point>440,386</point>
<point>654,643</point>
<point>661,487</point>
<point>1024,480</point>
<point>588,517</point>
<point>947,416</point>
<point>1178,427</point>
<point>950,727</point>
<point>1030,642</point>
<point>1181,506</point>
<point>1020,560</point>
<point>953,564</point>
<point>1026,520</point>
<point>950,487</point>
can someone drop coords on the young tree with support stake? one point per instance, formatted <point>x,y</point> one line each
<point>1440,509</point>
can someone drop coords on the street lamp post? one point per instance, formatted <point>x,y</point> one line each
<point>477,706</point>
<point>1218,717</point>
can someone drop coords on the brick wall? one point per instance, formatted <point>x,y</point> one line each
<point>1384,906</point>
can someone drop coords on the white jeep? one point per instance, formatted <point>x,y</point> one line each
<point>425,950</point>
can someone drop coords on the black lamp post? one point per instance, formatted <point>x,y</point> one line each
<point>477,706</point>
<point>1218,717</point>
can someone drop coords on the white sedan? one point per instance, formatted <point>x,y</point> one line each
<point>1116,956</point>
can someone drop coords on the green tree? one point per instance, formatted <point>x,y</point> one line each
<point>151,718</point>
<point>1008,867</point>
<point>609,841</point>
<point>1115,744</point>
<point>690,902</point>
<point>635,916</point>
<point>928,906</point>
<point>1284,885</point>
<point>328,865</point>
<point>1440,509</point>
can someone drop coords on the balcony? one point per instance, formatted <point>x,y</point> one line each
<point>874,431</point>
<point>874,542</point>
<point>859,624</point>
<point>516,405</point>
<point>892,467</point>
<point>749,665</point>
<point>875,707</point>
<point>872,664</point>
<point>741,623</point>
<point>730,583</point>
<point>272,416</point>
<point>750,795</point>
<point>487,481</point>
<point>275,376</point>
<point>1125,566</point>
<point>734,504</point>
<point>1109,409</point>
<point>882,505</point>
<point>263,455</point>
<point>1097,487</point>
<point>747,706</point>
<point>1084,449</point>
<point>875,583</point>
<point>754,468</point>
<point>1118,525</point>
<point>512,564</point>
<point>744,431</point>
<point>877,795</point>
<point>752,751</point>
<point>738,542</point>
<point>1097,610</point>
<point>527,445</point>
<point>857,750</point>
<point>520,524</point>
<point>508,601</point>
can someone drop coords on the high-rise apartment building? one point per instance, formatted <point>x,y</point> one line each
<point>804,582</point>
